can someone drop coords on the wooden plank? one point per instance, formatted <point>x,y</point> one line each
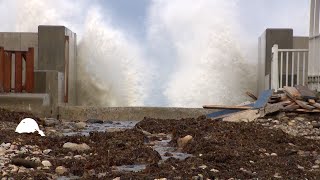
<point>305,92</point>
<point>222,114</point>
<point>225,107</point>
<point>293,92</point>
<point>2,58</point>
<point>18,72</point>
<point>309,111</point>
<point>251,95</point>
<point>243,116</point>
<point>30,70</point>
<point>263,99</point>
<point>7,72</point>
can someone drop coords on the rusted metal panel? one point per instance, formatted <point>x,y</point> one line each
<point>1,69</point>
<point>7,72</point>
<point>18,72</point>
<point>30,70</point>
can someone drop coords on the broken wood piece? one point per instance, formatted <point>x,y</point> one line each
<point>243,116</point>
<point>293,92</point>
<point>317,105</point>
<point>287,102</point>
<point>304,105</point>
<point>300,103</point>
<point>305,92</point>
<point>225,107</point>
<point>291,107</point>
<point>251,95</point>
<point>311,101</point>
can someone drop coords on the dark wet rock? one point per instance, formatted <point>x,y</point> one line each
<point>24,163</point>
<point>95,121</point>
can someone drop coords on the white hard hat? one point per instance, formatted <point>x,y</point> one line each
<point>28,125</point>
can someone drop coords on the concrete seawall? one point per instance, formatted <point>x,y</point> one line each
<point>79,113</point>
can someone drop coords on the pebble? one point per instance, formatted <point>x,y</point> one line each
<point>315,167</point>
<point>2,151</point>
<point>299,118</point>
<point>277,175</point>
<point>274,154</point>
<point>47,151</point>
<point>6,145</point>
<point>46,163</point>
<point>300,167</point>
<point>292,123</point>
<point>76,147</point>
<point>203,167</point>
<point>276,121</point>
<point>80,125</point>
<point>61,170</point>
<point>317,161</point>
<point>214,170</point>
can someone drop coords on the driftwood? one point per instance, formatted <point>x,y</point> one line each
<point>294,99</point>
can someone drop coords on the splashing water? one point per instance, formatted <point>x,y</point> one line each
<point>191,55</point>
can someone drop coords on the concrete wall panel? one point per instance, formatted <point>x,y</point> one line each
<point>12,41</point>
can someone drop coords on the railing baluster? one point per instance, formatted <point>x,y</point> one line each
<point>287,68</point>
<point>292,69</point>
<point>304,69</point>
<point>281,68</point>
<point>298,68</point>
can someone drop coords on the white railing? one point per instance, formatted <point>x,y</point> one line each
<point>288,67</point>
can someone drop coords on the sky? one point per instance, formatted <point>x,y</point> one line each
<point>255,15</point>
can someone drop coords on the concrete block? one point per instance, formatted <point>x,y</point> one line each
<point>80,113</point>
<point>51,42</point>
<point>25,99</point>
<point>12,41</point>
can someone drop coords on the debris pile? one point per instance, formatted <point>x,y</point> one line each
<point>293,99</point>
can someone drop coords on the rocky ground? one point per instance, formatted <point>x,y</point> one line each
<point>281,146</point>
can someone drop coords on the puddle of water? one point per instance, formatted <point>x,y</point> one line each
<point>162,147</point>
<point>130,168</point>
<point>109,126</point>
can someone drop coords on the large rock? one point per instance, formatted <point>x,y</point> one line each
<point>182,142</point>
<point>76,147</point>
